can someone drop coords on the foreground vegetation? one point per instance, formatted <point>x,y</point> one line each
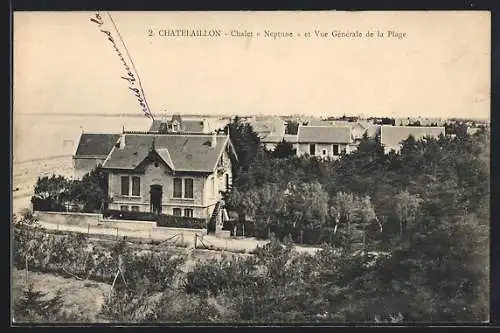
<point>276,284</point>
<point>405,239</point>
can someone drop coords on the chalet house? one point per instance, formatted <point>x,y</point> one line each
<point>392,136</point>
<point>172,174</point>
<point>92,150</point>
<point>324,141</point>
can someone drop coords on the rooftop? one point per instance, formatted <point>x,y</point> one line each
<point>95,144</point>
<point>392,136</point>
<point>192,153</point>
<point>324,134</point>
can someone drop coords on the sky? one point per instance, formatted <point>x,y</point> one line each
<point>64,64</point>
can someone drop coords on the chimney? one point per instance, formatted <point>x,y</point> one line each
<point>214,139</point>
<point>122,141</point>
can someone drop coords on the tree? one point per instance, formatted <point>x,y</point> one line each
<point>34,307</point>
<point>406,209</point>
<point>352,216</point>
<point>307,205</point>
<point>28,235</point>
<point>51,193</point>
<point>246,142</point>
<point>92,190</point>
<point>283,149</point>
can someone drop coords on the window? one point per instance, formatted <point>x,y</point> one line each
<point>136,186</point>
<point>312,149</point>
<point>177,212</point>
<point>227,181</point>
<point>125,185</point>
<point>336,150</point>
<point>177,188</point>
<point>135,208</point>
<point>324,151</point>
<point>188,188</point>
<point>124,208</point>
<point>188,212</point>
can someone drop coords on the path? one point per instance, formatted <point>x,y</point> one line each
<point>175,237</point>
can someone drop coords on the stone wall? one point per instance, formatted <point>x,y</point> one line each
<point>75,219</point>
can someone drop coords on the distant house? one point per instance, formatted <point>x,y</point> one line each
<point>179,125</point>
<point>173,174</point>
<point>92,150</point>
<point>392,136</point>
<point>265,127</point>
<point>472,130</point>
<point>324,141</point>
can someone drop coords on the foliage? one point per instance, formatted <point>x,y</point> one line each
<point>130,215</point>
<point>127,305</point>
<point>245,141</point>
<point>57,192</point>
<point>181,222</point>
<point>75,255</point>
<point>179,307</point>
<point>34,306</point>
<point>283,149</point>
<point>91,191</point>
<point>31,307</point>
<point>51,193</point>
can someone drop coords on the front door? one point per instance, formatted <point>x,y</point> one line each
<point>155,201</point>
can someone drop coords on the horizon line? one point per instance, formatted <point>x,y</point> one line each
<point>364,116</point>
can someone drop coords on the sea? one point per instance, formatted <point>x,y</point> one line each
<point>47,136</point>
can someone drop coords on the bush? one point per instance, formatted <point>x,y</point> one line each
<point>181,222</point>
<point>124,215</point>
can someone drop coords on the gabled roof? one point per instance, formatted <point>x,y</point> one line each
<point>316,122</point>
<point>155,126</point>
<point>191,153</point>
<point>324,134</point>
<point>392,136</point>
<point>188,126</point>
<point>93,144</point>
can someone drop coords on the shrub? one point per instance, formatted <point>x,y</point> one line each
<point>124,215</point>
<point>181,222</point>
<point>32,307</point>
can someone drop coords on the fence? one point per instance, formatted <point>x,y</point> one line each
<point>159,235</point>
<point>299,236</point>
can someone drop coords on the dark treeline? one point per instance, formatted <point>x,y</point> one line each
<point>284,194</point>
<point>428,207</point>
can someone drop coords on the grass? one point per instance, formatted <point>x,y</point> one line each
<point>80,296</point>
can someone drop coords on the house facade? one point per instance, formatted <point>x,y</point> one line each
<point>173,174</point>
<point>92,150</point>
<point>324,141</point>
